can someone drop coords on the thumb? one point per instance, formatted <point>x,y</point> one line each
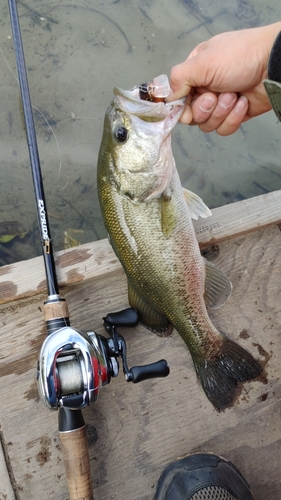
<point>187,75</point>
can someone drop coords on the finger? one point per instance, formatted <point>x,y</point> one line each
<point>234,119</point>
<point>203,106</point>
<point>188,75</point>
<point>186,117</point>
<point>199,48</point>
<point>179,82</point>
<point>211,119</point>
<point>196,71</point>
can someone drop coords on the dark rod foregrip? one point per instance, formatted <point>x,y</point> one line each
<point>73,438</point>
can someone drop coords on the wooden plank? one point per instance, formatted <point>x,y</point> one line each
<point>6,490</point>
<point>27,278</point>
<point>136,430</point>
<point>90,260</point>
<point>239,218</point>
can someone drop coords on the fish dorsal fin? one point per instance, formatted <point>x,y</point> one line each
<point>195,205</point>
<point>218,287</point>
<point>150,317</point>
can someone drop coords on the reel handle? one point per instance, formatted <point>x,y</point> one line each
<point>117,347</point>
<point>153,370</point>
<point>127,317</point>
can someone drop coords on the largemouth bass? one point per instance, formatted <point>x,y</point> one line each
<point>148,217</point>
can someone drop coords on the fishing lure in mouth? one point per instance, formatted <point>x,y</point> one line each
<point>155,91</point>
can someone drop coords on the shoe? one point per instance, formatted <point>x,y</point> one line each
<point>202,476</point>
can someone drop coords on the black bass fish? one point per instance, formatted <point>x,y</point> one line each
<point>148,217</point>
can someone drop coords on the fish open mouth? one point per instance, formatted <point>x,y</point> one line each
<point>148,101</point>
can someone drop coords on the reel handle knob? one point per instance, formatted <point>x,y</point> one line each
<point>127,317</point>
<point>154,370</point>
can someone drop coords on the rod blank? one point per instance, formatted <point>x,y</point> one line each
<point>41,210</point>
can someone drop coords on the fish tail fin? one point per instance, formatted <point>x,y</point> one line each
<point>221,374</point>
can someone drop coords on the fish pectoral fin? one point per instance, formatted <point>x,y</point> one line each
<point>149,316</point>
<point>195,205</point>
<point>218,287</point>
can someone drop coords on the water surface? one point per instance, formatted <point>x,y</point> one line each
<point>76,52</point>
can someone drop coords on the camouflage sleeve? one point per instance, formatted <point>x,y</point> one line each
<point>273,83</point>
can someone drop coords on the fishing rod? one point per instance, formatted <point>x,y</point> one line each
<point>73,365</point>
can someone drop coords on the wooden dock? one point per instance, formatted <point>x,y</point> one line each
<point>134,431</point>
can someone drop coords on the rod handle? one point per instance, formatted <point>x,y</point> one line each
<point>77,464</point>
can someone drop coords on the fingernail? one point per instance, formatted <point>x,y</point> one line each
<point>227,99</point>
<point>207,104</point>
<point>242,103</point>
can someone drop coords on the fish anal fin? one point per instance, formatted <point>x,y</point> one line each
<point>221,374</point>
<point>149,316</point>
<point>218,287</point>
<point>196,206</point>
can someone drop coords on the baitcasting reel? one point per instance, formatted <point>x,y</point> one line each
<point>73,365</point>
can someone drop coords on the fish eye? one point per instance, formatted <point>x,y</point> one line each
<point>121,134</point>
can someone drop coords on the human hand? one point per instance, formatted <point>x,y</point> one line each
<point>223,79</point>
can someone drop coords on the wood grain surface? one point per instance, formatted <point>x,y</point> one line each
<point>27,278</point>
<point>134,431</point>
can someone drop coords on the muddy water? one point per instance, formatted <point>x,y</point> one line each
<point>76,52</point>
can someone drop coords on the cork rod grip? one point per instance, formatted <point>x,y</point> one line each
<point>77,464</point>
<point>53,310</point>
